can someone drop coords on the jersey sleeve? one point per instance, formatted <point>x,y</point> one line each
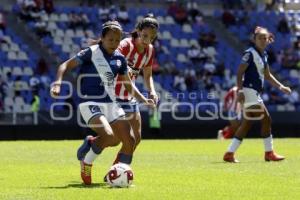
<point>151,57</point>
<point>123,68</point>
<point>83,56</point>
<point>124,47</point>
<point>246,58</point>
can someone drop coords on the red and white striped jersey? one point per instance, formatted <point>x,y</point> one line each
<point>135,62</point>
<point>230,100</point>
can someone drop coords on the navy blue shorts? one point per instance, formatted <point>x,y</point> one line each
<point>129,106</point>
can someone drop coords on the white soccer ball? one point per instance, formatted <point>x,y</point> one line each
<point>119,175</point>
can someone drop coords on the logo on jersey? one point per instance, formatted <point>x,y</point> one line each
<point>118,63</point>
<point>109,78</point>
<point>94,109</point>
<point>246,57</point>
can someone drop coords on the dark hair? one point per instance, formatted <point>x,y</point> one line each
<point>107,26</point>
<point>149,21</point>
<point>110,25</point>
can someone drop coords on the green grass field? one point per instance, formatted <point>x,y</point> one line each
<point>164,169</point>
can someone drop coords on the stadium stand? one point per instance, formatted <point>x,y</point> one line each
<point>191,59</point>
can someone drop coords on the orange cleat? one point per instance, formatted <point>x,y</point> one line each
<point>229,157</point>
<point>86,173</point>
<point>272,156</point>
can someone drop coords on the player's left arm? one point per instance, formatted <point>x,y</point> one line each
<point>148,79</point>
<point>274,82</point>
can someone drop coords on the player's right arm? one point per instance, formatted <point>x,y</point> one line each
<point>77,60</point>
<point>67,65</point>
<point>240,73</point>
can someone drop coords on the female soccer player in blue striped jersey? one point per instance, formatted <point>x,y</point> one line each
<point>252,71</point>
<point>99,65</point>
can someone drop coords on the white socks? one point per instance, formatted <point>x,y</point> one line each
<point>234,145</point>
<point>268,142</point>
<point>90,157</point>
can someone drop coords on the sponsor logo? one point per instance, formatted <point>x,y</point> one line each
<point>94,109</point>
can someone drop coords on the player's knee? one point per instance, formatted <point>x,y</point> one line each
<point>107,140</point>
<point>114,142</point>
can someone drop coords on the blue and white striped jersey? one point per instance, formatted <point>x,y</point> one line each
<point>98,69</point>
<point>254,74</point>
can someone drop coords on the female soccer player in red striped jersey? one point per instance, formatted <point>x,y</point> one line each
<point>252,71</point>
<point>139,52</point>
<point>233,109</point>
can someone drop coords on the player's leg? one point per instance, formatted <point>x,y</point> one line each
<point>135,122</point>
<point>93,116</point>
<point>100,125</point>
<point>228,131</point>
<point>121,130</point>
<point>133,116</point>
<point>266,132</point>
<point>232,128</point>
<point>239,135</point>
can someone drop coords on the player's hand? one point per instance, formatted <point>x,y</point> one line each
<point>286,90</point>
<point>154,97</point>
<point>241,97</point>
<point>55,90</point>
<point>150,103</point>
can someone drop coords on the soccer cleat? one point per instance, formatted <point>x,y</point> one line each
<point>220,135</point>
<point>272,156</point>
<point>229,157</point>
<point>84,148</point>
<point>86,173</point>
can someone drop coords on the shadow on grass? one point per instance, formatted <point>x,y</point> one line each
<point>239,163</point>
<point>77,185</point>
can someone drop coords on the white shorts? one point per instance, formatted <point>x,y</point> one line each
<point>252,97</point>
<point>90,109</point>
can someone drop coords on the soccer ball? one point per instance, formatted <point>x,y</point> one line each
<point>120,175</point>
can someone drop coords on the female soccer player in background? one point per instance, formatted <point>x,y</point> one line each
<point>233,109</point>
<point>250,79</point>
<point>100,64</point>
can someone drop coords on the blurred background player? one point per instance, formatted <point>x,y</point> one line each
<point>98,107</point>
<point>251,73</point>
<point>233,109</point>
